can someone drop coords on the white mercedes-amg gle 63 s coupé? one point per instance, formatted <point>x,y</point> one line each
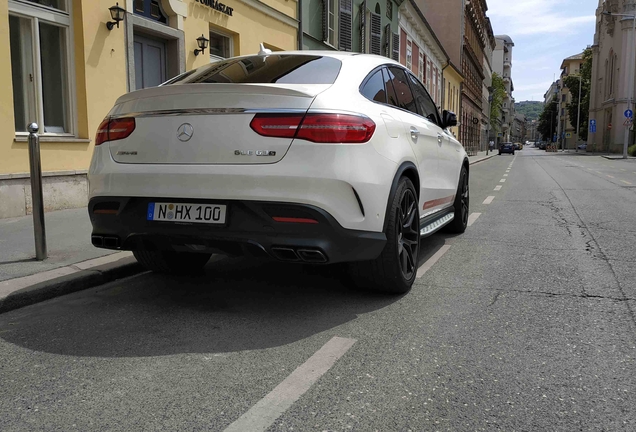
<point>308,157</point>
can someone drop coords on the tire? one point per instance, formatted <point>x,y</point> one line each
<point>395,270</point>
<point>513,153</point>
<point>171,262</point>
<point>461,205</point>
<point>499,153</point>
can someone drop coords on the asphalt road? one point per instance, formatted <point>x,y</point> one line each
<point>526,322</point>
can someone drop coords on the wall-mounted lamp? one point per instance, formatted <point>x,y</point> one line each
<point>117,14</point>
<point>202,42</point>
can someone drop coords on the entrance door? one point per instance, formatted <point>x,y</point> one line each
<point>150,62</point>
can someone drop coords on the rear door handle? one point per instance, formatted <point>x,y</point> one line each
<point>414,133</point>
<point>439,139</point>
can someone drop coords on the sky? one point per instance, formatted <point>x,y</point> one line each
<point>544,32</point>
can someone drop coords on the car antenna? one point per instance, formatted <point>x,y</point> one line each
<point>264,51</point>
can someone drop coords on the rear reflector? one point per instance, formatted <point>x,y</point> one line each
<point>294,220</point>
<point>315,127</point>
<point>114,129</point>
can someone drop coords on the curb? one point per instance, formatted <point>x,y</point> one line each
<point>485,158</point>
<point>77,281</point>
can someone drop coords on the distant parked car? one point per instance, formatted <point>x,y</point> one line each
<point>507,148</point>
<point>543,145</point>
<point>582,146</point>
<point>518,146</point>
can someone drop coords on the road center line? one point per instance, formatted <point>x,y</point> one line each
<point>610,176</point>
<point>498,187</point>
<point>626,182</point>
<point>502,181</point>
<point>472,218</point>
<point>432,260</point>
<point>505,175</point>
<point>273,405</point>
<point>489,200</point>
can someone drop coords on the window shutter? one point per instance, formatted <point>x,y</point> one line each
<point>325,21</point>
<point>376,34</point>
<point>345,25</point>
<point>387,41</point>
<point>396,47</point>
<point>363,27</point>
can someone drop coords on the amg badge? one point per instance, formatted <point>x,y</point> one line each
<point>254,153</point>
<point>126,153</point>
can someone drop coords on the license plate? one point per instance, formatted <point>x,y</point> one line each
<point>184,212</point>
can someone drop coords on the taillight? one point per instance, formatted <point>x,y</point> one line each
<point>315,127</point>
<point>276,125</point>
<point>114,129</point>
<point>336,128</point>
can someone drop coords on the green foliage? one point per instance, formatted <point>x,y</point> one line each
<point>498,94</point>
<point>572,82</point>
<point>631,150</point>
<point>548,120</point>
<point>532,110</point>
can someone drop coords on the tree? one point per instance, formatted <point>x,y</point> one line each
<point>498,94</point>
<point>548,120</point>
<point>572,82</point>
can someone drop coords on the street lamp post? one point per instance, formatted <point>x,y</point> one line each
<point>630,84</point>
<point>578,117</point>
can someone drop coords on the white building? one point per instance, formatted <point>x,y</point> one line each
<point>502,65</point>
<point>610,75</point>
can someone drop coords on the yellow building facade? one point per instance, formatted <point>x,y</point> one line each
<point>67,68</point>
<point>452,92</point>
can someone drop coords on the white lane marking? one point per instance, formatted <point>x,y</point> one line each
<point>626,182</point>
<point>262,415</point>
<point>472,218</point>
<point>598,172</point>
<point>505,175</point>
<point>610,176</point>
<point>502,181</point>
<point>432,260</point>
<point>623,169</point>
<point>498,187</point>
<point>488,200</point>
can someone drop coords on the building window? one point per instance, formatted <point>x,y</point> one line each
<point>420,67</point>
<point>329,21</point>
<point>40,66</point>
<point>562,98</point>
<point>389,9</point>
<point>150,9</point>
<point>220,46</point>
<point>409,54</point>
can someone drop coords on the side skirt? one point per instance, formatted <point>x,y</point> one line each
<point>435,222</point>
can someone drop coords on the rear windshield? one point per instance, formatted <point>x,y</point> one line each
<point>280,69</point>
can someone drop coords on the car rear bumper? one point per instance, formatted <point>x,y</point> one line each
<point>250,229</point>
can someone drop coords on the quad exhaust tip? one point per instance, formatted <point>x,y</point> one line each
<point>107,242</point>
<point>287,254</point>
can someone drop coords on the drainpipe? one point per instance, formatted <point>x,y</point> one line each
<point>300,25</point>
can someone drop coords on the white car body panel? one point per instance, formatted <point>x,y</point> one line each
<point>322,175</point>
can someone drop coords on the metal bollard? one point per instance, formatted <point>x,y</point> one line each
<point>36,192</point>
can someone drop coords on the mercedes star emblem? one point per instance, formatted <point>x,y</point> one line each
<point>185,132</point>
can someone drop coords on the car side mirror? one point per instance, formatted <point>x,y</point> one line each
<point>449,119</point>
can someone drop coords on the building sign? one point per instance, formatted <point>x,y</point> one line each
<point>216,5</point>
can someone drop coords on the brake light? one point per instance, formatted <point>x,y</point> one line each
<point>276,125</point>
<point>315,127</point>
<point>336,128</point>
<point>114,129</point>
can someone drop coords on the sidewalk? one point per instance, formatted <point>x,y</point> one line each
<point>73,263</point>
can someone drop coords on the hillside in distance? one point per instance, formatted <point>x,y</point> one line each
<point>531,109</point>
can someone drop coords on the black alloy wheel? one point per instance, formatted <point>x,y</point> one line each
<point>461,205</point>
<point>395,270</point>
<point>408,234</point>
<point>465,199</point>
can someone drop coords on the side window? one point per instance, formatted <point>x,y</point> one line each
<point>405,99</point>
<point>425,104</point>
<point>391,97</point>
<point>373,89</point>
